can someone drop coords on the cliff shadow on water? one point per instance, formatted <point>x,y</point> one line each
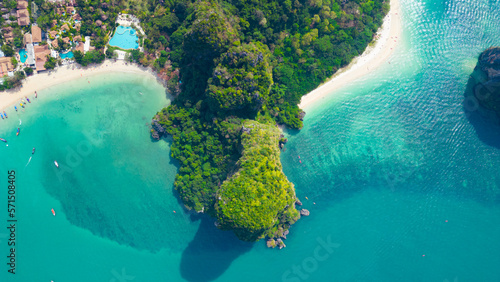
<point>482,97</point>
<point>211,252</point>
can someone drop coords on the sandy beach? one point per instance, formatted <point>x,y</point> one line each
<point>62,74</point>
<point>373,57</point>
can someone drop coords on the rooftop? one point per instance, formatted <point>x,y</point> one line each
<point>41,53</point>
<point>22,4</point>
<point>36,33</point>
<point>54,43</point>
<point>23,21</point>
<point>5,66</point>
<point>23,13</point>
<point>31,54</point>
<point>27,38</point>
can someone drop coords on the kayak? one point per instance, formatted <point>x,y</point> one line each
<point>33,152</point>
<point>27,99</point>
<point>2,116</point>
<point>53,212</point>
<point>55,162</point>
<point>17,133</point>
<point>15,108</point>
<point>3,140</point>
<point>5,114</point>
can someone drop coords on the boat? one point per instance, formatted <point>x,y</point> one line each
<point>17,133</point>
<point>55,162</point>
<point>33,152</point>
<point>3,140</point>
<point>5,114</point>
<point>53,212</point>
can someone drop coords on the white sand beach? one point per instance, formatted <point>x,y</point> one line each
<point>374,56</point>
<point>63,74</point>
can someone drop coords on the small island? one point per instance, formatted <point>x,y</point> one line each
<point>242,70</point>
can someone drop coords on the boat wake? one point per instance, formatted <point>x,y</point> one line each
<point>28,162</point>
<point>20,121</point>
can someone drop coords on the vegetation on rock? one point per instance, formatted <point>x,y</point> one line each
<point>240,60</point>
<point>258,197</point>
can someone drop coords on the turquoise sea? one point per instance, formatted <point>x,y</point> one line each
<point>402,181</point>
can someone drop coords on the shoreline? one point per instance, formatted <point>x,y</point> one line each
<point>63,74</point>
<point>372,58</point>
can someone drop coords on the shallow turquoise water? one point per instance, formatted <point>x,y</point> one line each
<point>402,182</point>
<point>125,38</point>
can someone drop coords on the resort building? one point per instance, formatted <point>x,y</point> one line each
<point>30,40</point>
<point>23,17</point>
<point>8,36</point>
<point>41,53</point>
<point>6,66</point>
<point>77,17</point>
<point>54,44</point>
<point>53,34</point>
<point>22,5</point>
<point>27,39</point>
<point>80,47</point>
<point>30,52</point>
<point>36,34</point>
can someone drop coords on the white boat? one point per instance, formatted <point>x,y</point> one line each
<point>55,162</point>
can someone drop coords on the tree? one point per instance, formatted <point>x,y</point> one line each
<point>13,61</point>
<point>241,80</point>
<point>7,50</point>
<point>50,63</point>
<point>28,71</point>
<point>109,53</point>
<point>78,55</point>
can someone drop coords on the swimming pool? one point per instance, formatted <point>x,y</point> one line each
<point>68,55</point>
<point>24,55</point>
<point>125,38</point>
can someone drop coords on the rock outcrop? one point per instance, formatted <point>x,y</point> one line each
<point>483,89</point>
<point>271,243</point>
<point>157,131</point>
<point>304,212</point>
